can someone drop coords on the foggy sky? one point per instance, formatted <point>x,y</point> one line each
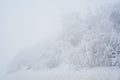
<point>24,23</point>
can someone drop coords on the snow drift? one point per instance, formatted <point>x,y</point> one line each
<point>61,74</point>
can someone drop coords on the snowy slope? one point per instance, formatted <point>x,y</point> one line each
<point>104,73</point>
<point>87,41</point>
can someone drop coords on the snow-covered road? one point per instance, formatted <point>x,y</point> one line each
<point>59,74</point>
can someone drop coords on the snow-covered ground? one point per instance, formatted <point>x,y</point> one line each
<point>103,73</point>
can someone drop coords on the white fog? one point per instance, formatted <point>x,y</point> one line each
<point>59,39</point>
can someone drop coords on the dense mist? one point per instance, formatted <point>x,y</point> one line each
<point>86,40</point>
<point>41,35</point>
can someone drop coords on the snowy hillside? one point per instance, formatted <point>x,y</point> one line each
<point>88,48</point>
<point>90,40</point>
